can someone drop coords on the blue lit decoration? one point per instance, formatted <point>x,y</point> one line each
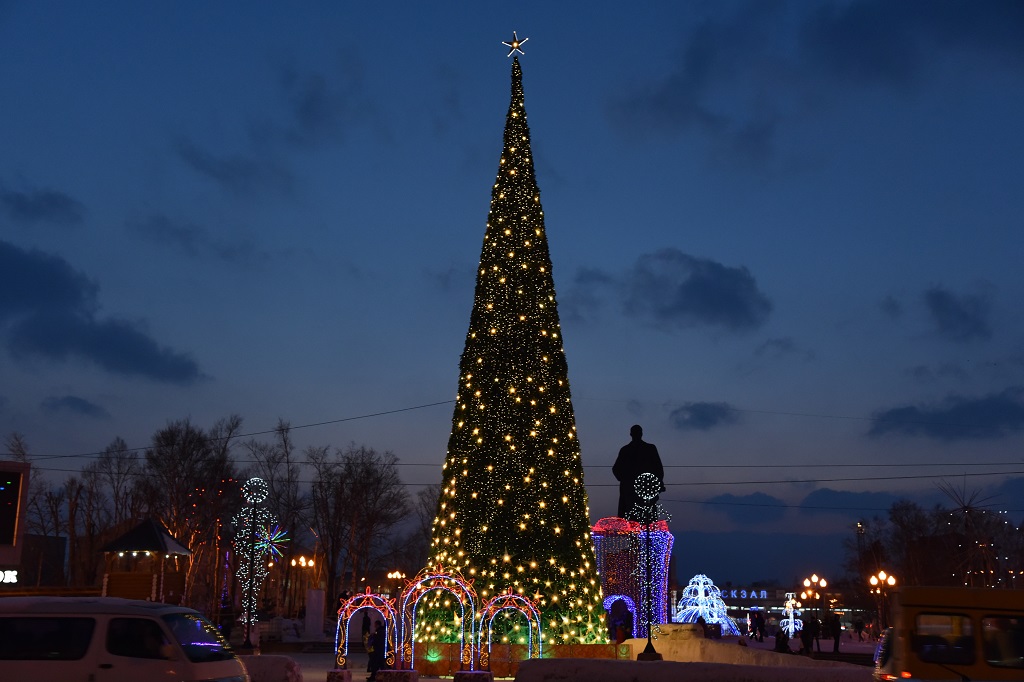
<point>791,624</point>
<point>630,606</point>
<point>702,599</point>
<point>505,602</point>
<point>427,580</point>
<point>617,545</point>
<point>368,600</point>
<point>250,524</point>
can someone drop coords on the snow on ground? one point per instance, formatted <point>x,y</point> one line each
<point>570,669</point>
<point>693,660</point>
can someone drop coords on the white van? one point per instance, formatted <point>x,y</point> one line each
<point>105,639</point>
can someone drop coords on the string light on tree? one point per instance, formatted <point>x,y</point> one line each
<point>513,512</point>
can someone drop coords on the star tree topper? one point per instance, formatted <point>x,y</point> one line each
<point>516,45</point>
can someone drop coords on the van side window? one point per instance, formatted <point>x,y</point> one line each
<point>136,638</point>
<point>946,638</point>
<point>55,638</point>
<point>1003,641</point>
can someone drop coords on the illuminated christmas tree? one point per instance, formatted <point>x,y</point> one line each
<point>513,510</point>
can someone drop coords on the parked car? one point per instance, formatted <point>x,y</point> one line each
<point>105,639</point>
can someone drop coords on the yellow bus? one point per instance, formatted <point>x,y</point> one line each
<point>952,633</point>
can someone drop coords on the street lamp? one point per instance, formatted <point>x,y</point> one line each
<point>811,593</point>
<point>301,586</point>
<point>397,576</point>
<point>881,582</point>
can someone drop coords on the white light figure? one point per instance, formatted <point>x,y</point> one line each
<point>791,624</point>
<point>250,545</point>
<point>702,599</point>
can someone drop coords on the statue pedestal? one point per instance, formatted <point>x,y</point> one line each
<point>339,676</point>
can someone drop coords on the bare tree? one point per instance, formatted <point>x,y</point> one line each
<point>116,471</point>
<point>380,502</point>
<point>329,498</point>
<point>186,480</point>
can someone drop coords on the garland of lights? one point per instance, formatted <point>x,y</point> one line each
<point>650,572</point>
<point>251,543</point>
<point>368,600</point>
<point>504,602</point>
<point>702,599</point>
<point>429,580</point>
<point>513,512</point>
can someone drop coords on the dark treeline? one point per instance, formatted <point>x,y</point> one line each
<point>963,544</point>
<point>347,507</point>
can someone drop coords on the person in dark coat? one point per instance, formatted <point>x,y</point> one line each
<point>378,642</point>
<point>835,629</point>
<point>635,458</point>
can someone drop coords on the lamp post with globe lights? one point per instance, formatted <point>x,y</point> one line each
<point>881,583</point>
<point>811,593</point>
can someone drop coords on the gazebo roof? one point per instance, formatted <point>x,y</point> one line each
<point>148,536</point>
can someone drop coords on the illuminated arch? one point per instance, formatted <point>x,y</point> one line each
<point>503,602</point>
<point>367,600</point>
<point>630,606</point>
<point>428,580</point>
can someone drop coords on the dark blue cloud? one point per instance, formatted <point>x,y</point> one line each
<point>195,241</point>
<point>672,289</point>
<point>958,318</point>
<point>853,504</point>
<point>41,206</point>
<point>700,416</point>
<point>781,348</point>
<point>956,418</point>
<point>879,41</point>
<point>74,405</point>
<point>891,307</point>
<point>249,175</point>
<point>749,509</point>
<point>929,373</point>
<point>33,281</point>
<point>587,294</point>
<point>780,53</point>
<point>50,312</point>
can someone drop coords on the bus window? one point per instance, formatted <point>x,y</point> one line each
<point>945,638</point>
<point>1003,641</point>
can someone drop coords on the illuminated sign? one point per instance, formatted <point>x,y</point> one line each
<point>744,594</point>
<point>8,576</point>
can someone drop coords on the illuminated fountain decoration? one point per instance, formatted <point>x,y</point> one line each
<point>702,599</point>
<point>791,624</point>
<point>251,545</point>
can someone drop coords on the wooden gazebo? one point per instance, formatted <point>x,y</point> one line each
<point>137,565</point>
